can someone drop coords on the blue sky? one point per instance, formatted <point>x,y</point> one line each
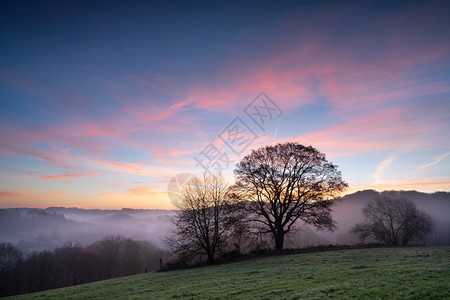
<point>102,103</point>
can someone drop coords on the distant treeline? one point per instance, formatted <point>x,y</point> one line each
<point>73,264</point>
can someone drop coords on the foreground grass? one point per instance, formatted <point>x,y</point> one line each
<point>383,273</point>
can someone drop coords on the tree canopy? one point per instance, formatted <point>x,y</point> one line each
<point>205,218</point>
<point>285,183</point>
<point>393,221</point>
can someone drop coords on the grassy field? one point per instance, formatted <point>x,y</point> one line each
<point>383,273</point>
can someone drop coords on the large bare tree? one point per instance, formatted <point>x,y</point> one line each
<point>393,221</point>
<point>285,183</point>
<point>205,218</point>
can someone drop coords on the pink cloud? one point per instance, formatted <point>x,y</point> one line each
<point>63,176</point>
<point>142,169</point>
<point>127,167</point>
<point>432,184</point>
<point>102,129</point>
<point>143,190</point>
<point>182,152</point>
<point>32,198</point>
<point>138,197</point>
<point>315,67</point>
<point>176,162</point>
<point>395,128</point>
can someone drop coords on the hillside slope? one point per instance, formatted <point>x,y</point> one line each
<point>348,211</point>
<point>386,273</point>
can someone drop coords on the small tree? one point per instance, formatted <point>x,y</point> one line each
<point>110,251</point>
<point>131,258</point>
<point>10,260</point>
<point>393,221</point>
<point>204,219</point>
<point>9,256</point>
<point>285,183</point>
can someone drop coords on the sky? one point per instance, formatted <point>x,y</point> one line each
<point>104,103</point>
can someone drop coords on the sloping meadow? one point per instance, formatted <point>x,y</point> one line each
<point>382,273</point>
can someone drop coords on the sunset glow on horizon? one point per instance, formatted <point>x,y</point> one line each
<point>103,103</point>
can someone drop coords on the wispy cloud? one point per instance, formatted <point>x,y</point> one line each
<point>64,176</point>
<point>380,172</point>
<point>436,161</point>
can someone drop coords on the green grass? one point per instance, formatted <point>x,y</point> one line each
<point>383,273</point>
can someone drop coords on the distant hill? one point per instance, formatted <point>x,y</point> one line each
<point>117,217</point>
<point>348,211</point>
<point>34,229</point>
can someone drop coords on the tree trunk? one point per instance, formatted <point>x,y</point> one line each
<point>279,240</point>
<point>210,259</point>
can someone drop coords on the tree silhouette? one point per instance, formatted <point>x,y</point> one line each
<point>205,218</point>
<point>10,259</point>
<point>285,183</point>
<point>393,221</point>
<point>111,246</point>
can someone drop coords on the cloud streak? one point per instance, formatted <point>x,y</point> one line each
<point>436,161</point>
<point>64,176</point>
